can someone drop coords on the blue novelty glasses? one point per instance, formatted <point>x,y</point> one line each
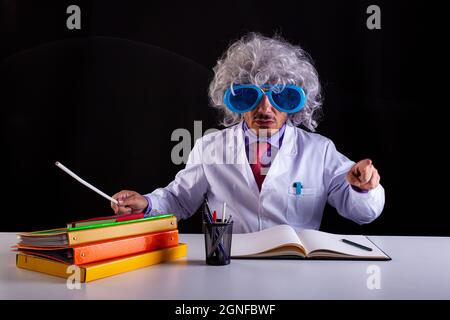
<point>245,97</point>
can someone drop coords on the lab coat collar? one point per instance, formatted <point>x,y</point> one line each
<point>275,140</point>
<point>236,144</point>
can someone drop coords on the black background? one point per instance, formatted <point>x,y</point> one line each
<point>104,100</point>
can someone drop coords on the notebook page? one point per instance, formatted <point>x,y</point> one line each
<point>243,244</point>
<point>318,240</point>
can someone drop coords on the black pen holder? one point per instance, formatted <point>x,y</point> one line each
<point>218,242</point>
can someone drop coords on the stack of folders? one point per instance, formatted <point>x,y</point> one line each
<point>101,247</point>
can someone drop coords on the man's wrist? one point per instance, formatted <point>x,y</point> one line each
<point>357,189</point>
<point>148,209</point>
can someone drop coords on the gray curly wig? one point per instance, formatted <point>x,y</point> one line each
<point>259,60</point>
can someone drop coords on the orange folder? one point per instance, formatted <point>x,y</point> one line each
<point>102,250</point>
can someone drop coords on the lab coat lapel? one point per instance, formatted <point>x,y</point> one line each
<point>284,159</point>
<point>236,146</point>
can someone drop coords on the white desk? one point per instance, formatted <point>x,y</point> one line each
<point>420,269</point>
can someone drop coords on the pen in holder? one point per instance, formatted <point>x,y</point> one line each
<point>218,242</point>
<point>217,237</point>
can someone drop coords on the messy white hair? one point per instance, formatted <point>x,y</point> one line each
<point>259,60</point>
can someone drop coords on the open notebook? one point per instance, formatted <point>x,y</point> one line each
<point>283,241</point>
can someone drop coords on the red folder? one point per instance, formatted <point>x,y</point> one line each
<point>117,218</point>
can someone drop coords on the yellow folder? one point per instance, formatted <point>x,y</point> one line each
<point>98,270</point>
<point>90,235</point>
<point>77,237</point>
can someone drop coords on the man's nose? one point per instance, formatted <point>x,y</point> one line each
<point>265,105</point>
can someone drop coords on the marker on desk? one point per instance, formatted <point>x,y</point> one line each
<point>356,245</point>
<point>214,216</point>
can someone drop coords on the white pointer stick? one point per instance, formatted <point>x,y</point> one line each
<point>90,186</point>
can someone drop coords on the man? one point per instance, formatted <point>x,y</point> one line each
<point>266,169</point>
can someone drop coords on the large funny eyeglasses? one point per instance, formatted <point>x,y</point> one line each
<point>245,97</point>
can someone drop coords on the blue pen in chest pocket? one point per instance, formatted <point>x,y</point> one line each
<point>301,204</point>
<point>296,188</point>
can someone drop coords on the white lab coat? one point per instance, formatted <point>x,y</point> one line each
<point>226,176</point>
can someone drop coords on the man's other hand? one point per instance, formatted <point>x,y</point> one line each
<point>364,175</point>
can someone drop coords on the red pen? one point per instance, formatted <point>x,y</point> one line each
<point>214,216</point>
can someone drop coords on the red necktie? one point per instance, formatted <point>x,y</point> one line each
<point>259,175</point>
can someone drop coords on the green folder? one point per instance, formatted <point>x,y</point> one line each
<point>60,230</point>
<point>121,222</point>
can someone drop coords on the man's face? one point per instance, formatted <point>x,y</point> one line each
<point>265,117</point>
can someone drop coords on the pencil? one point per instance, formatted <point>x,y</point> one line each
<point>90,186</point>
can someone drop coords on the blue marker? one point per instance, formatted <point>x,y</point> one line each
<point>298,188</point>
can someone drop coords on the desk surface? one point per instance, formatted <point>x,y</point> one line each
<point>420,269</point>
